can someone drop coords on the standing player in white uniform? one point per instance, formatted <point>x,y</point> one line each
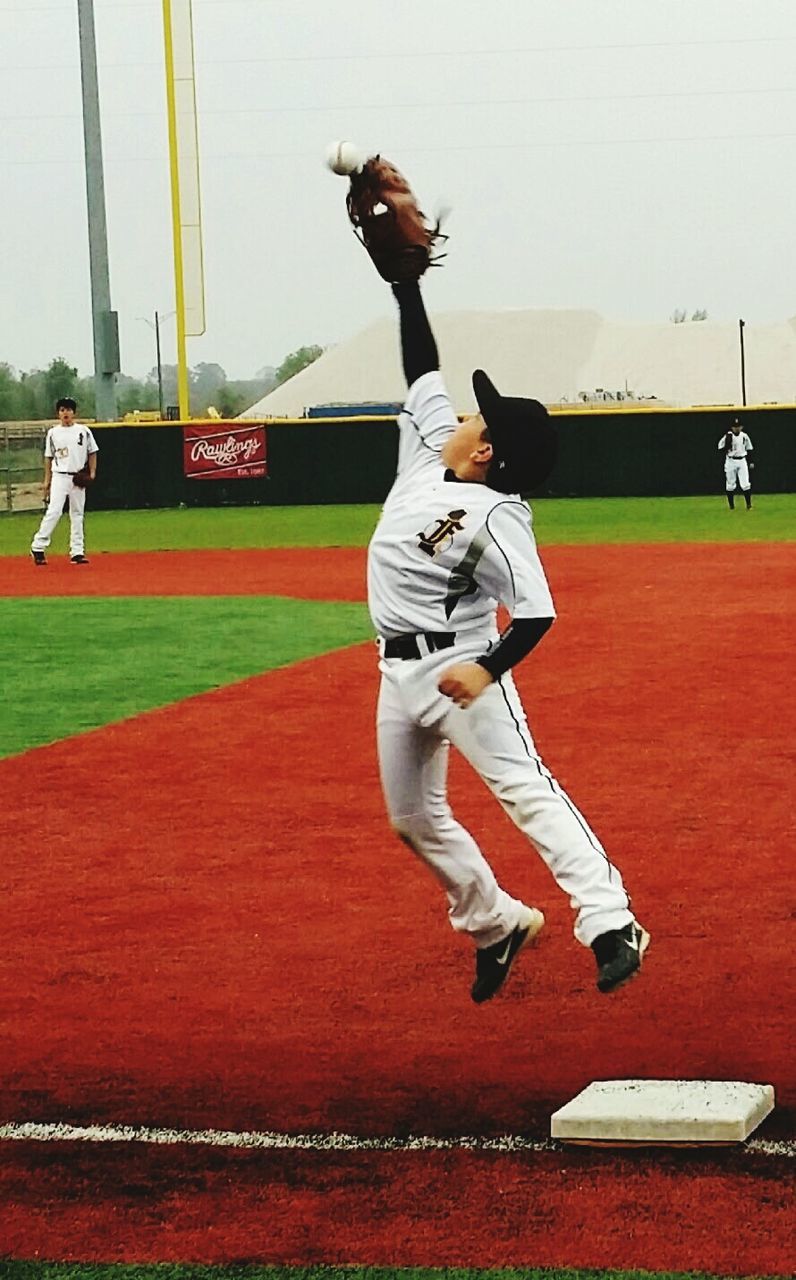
<point>454,539</point>
<point>737,446</point>
<point>69,447</point>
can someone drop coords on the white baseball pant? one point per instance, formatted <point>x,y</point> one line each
<point>61,487</point>
<point>736,469</point>
<point>415,725</point>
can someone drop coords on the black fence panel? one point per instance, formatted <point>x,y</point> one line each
<point>138,467</point>
<point>653,454</point>
<point>668,454</point>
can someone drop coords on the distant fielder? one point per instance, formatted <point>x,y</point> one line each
<point>737,464</point>
<point>70,465</point>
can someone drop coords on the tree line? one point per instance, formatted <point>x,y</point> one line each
<point>31,396</point>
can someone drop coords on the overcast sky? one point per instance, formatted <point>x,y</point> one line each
<point>630,156</point>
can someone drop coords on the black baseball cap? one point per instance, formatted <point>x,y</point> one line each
<point>524,439</point>
<point>66,402</point>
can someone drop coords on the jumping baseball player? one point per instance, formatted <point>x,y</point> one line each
<point>737,446</point>
<point>70,463</point>
<point>454,540</point>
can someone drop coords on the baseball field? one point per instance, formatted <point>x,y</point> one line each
<point>236,1037</point>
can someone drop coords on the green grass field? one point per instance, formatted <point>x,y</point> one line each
<point>557,520</point>
<point>133,654</point>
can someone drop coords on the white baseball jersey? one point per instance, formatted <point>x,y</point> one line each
<point>740,445</point>
<point>444,552</point>
<point>69,447</point>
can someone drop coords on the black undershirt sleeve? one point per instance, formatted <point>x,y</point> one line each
<point>418,347</point>
<point>515,643</point>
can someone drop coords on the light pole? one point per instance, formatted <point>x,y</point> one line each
<point>104,320</point>
<point>741,325</point>
<point>156,327</point>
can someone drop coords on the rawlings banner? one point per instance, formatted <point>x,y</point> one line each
<point>224,451</point>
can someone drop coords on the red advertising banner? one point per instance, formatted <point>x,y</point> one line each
<point>224,450</point>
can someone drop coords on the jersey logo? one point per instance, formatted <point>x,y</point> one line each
<point>80,438</point>
<point>440,536</point>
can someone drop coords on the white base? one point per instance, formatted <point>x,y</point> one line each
<point>663,1111</point>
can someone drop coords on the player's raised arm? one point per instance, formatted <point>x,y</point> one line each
<point>418,346</point>
<point>402,245</point>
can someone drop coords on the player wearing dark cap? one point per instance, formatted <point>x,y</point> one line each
<point>455,540</point>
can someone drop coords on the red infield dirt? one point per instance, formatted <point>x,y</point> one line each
<point>304,573</point>
<point>207,924</point>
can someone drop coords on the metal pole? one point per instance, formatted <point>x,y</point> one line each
<point>105,321</point>
<point>160,366</point>
<point>743,363</point>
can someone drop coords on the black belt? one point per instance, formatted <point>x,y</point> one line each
<point>408,647</point>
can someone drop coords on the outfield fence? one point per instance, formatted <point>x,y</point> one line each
<point>351,459</point>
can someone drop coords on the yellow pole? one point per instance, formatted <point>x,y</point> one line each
<point>176,217</point>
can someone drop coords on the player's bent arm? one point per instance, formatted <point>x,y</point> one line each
<point>464,681</point>
<point>515,643</point>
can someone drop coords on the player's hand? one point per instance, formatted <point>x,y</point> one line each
<point>463,682</point>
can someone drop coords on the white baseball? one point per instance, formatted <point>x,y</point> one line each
<point>343,158</point>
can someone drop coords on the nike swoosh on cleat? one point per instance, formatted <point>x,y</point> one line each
<point>504,959</point>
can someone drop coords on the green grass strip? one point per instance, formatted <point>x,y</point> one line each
<point>72,664</point>
<point>557,520</point>
<point>164,1271</point>
<point>616,520</point>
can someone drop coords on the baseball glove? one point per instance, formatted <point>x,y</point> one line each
<point>385,216</point>
<point>83,478</point>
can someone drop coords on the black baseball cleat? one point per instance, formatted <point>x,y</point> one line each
<point>79,559</point>
<point>619,953</point>
<point>39,557</point>
<point>492,964</point>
